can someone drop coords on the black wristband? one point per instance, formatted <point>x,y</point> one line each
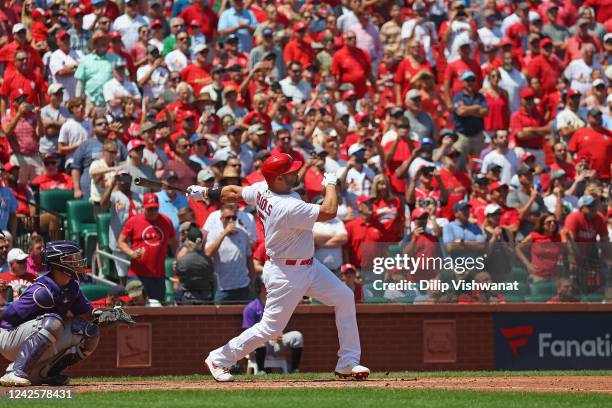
<point>215,194</point>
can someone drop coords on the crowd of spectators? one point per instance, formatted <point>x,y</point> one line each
<point>456,128</point>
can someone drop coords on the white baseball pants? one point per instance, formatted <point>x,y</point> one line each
<point>285,286</point>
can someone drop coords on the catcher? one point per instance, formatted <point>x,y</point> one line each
<point>35,333</point>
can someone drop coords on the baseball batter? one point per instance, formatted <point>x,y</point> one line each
<point>291,272</point>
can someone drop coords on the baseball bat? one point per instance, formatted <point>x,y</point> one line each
<point>156,185</point>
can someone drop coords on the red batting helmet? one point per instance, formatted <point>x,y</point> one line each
<point>279,164</point>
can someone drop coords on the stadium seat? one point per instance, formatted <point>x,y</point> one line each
<point>82,226</point>
<point>107,265</point>
<point>519,273</point>
<point>543,288</point>
<point>376,299</point>
<point>394,249</point>
<point>406,300</point>
<point>56,200</point>
<point>593,298</point>
<point>169,300</point>
<point>94,292</point>
<point>537,298</point>
<point>168,266</point>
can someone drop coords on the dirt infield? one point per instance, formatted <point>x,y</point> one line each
<point>598,384</point>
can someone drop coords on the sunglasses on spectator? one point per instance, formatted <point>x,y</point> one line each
<point>547,222</point>
<point>351,38</point>
<point>230,218</point>
<point>175,79</point>
<point>112,151</point>
<point>470,79</point>
<point>202,143</point>
<point>183,38</point>
<point>50,162</point>
<point>101,123</point>
<point>287,138</point>
<point>235,165</point>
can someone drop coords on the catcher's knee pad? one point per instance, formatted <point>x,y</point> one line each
<point>51,326</point>
<point>90,335</point>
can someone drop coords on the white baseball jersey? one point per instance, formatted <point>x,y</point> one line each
<point>287,221</point>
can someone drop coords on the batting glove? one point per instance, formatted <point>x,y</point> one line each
<point>197,193</point>
<point>329,178</point>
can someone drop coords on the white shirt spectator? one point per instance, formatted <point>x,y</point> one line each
<point>567,117</point>
<point>550,201</point>
<point>114,89</point>
<point>128,27</point>
<point>245,221</point>
<point>97,188</point>
<point>509,163</point>
<point>330,257</point>
<point>156,83</point>
<point>176,61</point>
<point>58,61</point>
<point>490,36</point>
<point>508,22</point>
<point>357,182</point>
<point>73,133</point>
<point>298,92</point>
<point>347,19</point>
<point>579,75</point>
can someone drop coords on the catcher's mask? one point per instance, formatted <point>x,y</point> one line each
<point>64,256</point>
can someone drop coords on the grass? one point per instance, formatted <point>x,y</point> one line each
<point>325,397</point>
<point>392,374</point>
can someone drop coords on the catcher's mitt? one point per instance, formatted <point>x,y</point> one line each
<point>112,315</point>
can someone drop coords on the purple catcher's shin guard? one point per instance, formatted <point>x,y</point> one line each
<point>30,352</point>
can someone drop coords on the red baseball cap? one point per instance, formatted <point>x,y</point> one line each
<point>10,166</point>
<point>299,26</point>
<point>61,34</point>
<point>545,41</point>
<point>363,199</point>
<point>360,117</point>
<point>526,156</point>
<point>115,35</point>
<point>135,144</point>
<point>157,23</point>
<point>527,93</point>
<point>75,12</point>
<point>496,186</point>
<point>150,201</point>
<point>348,94</point>
<point>348,267</point>
<point>573,92</point>
<point>418,213</point>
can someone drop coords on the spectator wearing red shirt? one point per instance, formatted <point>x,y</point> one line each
<point>454,71</point>
<point>573,45</point>
<point>594,141</point>
<point>353,65</point>
<point>388,209</point>
<point>456,182</point>
<point>23,81</point>
<point>18,277</point>
<point>510,217</point>
<point>528,127</point>
<point>397,152</point>
<point>197,74</point>
<point>561,161</point>
<point>546,66</point>
<point>297,49</point>
<point>427,187</point>
<point>52,178</point>
<point>422,244</point>
<point>205,16</point>
<point>313,177</point>
<point>478,199</point>
<point>182,106</point>
<point>22,191</point>
<point>364,229</point>
<point>348,275</point>
<point>407,69</point>
<point>117,48</point>
<point>283,145</point>
<point>544,243</point>
<point>589,243</point>
<point>203,208</point>
<point>20,43</point>
<point>497,99</point>
<point>145,238</point>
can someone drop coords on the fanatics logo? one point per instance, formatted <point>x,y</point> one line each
<point>517,337</point>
